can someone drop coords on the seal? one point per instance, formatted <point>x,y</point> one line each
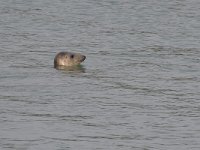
<point>68,59</point>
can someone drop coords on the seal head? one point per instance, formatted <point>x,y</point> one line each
<point>68,59</point>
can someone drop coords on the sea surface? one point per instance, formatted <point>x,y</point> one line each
<point>138,89</point>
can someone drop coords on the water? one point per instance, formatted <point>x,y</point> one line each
<point>138,88</point>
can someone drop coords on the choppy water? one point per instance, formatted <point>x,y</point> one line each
<point>138,89</point>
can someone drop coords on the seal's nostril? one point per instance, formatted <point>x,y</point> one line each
<point>84,57</point>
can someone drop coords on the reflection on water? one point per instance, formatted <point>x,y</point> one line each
<point>138,88</point>
<point>76,68</point>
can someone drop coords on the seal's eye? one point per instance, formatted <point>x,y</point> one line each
<point>71,56</point>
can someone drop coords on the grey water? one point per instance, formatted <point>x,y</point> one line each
<point>139,87</point>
